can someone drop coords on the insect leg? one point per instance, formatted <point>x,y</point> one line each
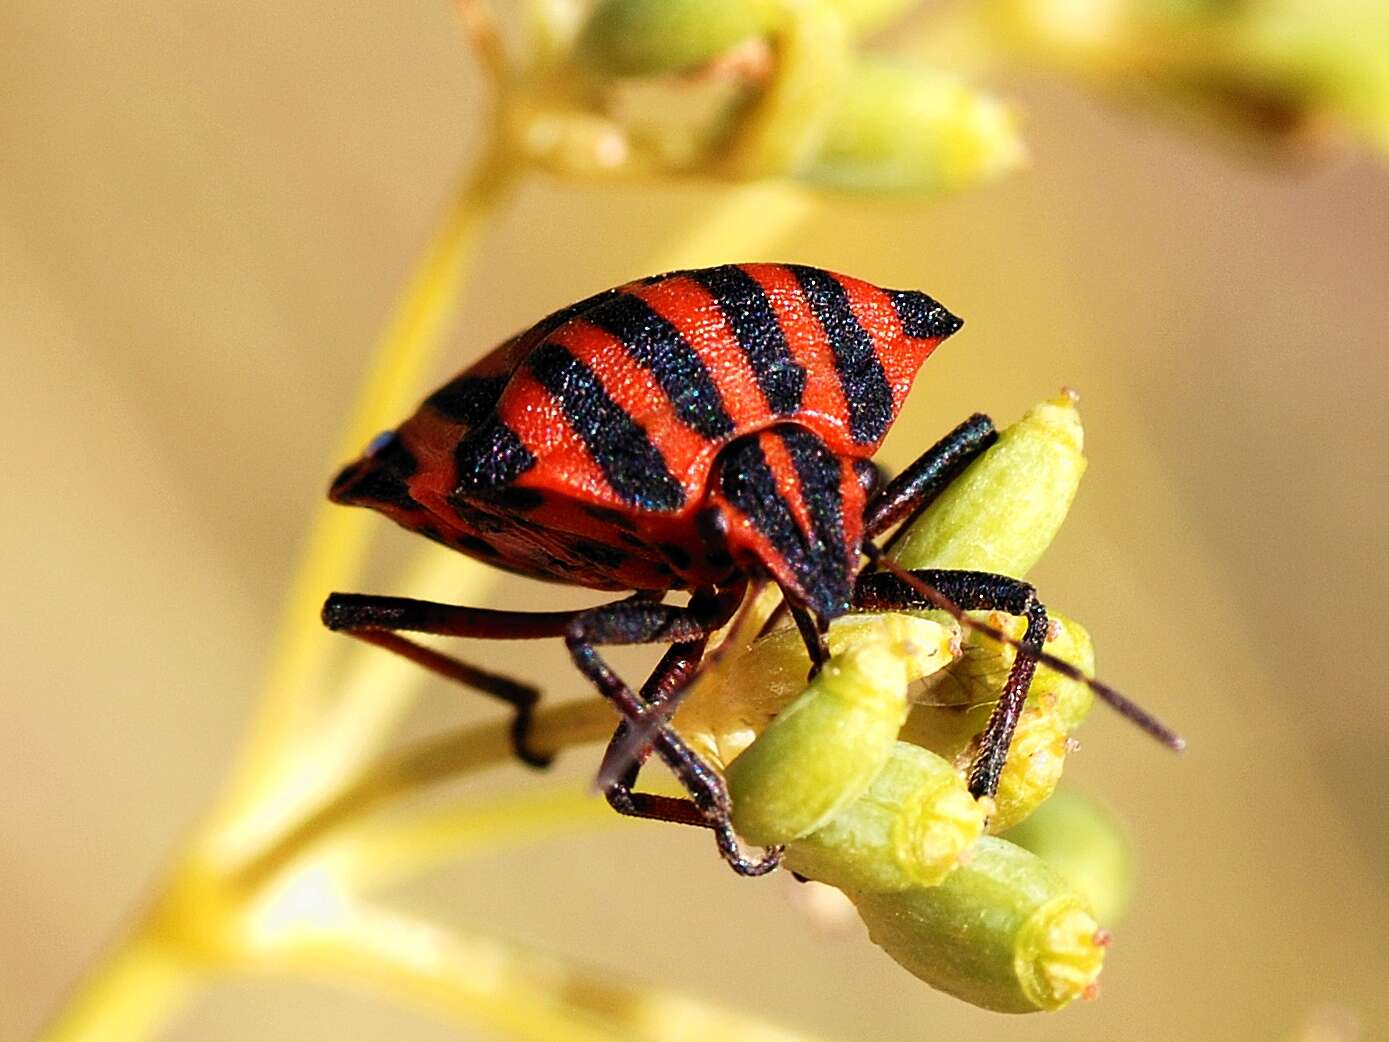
<point>912,491</point>
<point>666,688</point>
<point>644,623</point>
<point>629,746</point>
<point>375,620</point>
<point>520,696</point>
<point>812,631</point>
<point>883,591</point>
<point>623,764</point>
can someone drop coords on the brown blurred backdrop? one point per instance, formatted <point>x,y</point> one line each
<point>205,211</point>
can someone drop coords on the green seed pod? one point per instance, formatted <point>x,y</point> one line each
<point>948,731</point>
<point>1086,844</point>
<point>735,702</point>
<point>1003,932</point>
<point>650,37</point>
<point>896,128</point>
<point>823,750</point>
<point>1005,509</point>
<point>981,668</point>
<point>913,826</point>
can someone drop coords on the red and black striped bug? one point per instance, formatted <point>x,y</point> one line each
<point>699,430</point>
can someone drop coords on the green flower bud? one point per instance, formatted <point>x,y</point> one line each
<point>1072,700</point>
<point>954,703</point>
<point>650,37</point>
<point>571,143</point>
<point>1005,509</point>
<point>1287,73</point>
<point>1002,932</point>
<point>1086,844</point>
<point>948,731</point>
<point>981,667</point>
<point>913,826</point>
<point>895,128</point>
<point>969,688</point>
<point>732,704</point>
<point>1036,759</point>
<point>823,750</point>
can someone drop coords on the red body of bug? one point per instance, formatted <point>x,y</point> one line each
<point>694,430</point>
<point>582,450</point>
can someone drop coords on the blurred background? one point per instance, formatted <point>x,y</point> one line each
<point>206,210</point>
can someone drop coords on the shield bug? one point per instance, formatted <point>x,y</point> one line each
<point>702,431</point>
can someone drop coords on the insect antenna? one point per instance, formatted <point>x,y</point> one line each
<point>1127,707</point>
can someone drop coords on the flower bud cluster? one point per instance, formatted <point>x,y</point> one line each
<point>1289,72</point>
<point>862,774</point>
<point>785,88</point>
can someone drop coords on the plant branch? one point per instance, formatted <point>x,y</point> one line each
<point>517,993</point>
<point>140,985</point>
<point>396,849</point>
<point>485,38</point>
<point>296,685</point>
<point>448,756</point>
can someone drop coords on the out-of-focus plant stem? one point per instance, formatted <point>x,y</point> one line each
<point>785,127</point>
<point>481,982</point>
<point>447,756</point>
<point>406,845</point>
<point>141,986</point>
<point>337,545</point>
<point>545,1000</point>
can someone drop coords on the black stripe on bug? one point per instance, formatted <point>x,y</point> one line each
<point>754,322</point>
<point>866,391</point>
<point>490,458</point>
<point>381,476</point>
<point>633,466</point>
<point>922,316</point>
<point>747,479</point>
<point>820,477</point>
<point>467,400</point>
<point>656,345</point>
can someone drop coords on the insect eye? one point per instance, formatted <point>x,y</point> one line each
<point>379,442</point>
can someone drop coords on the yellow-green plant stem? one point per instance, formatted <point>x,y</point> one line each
<point>190,930</point>
<point>338,541</point>
<point>141,986</point>
<point>476,980</point>
<point>374,691</point>
<point>142,979</point>
<point>448,756</point>
<point>404,845</point>
<point>784,128</point>
<point>484,37</point>
<point>524,994</point>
